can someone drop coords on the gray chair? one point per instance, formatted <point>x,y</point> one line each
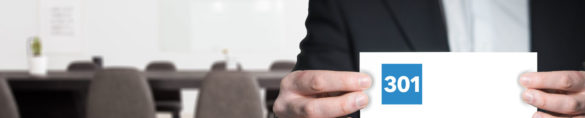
<point>8,107</point>
<point>161,66</point>
<point>221,66</point>
<point>282,65</point>
<point>119,93</point>
<point>166,100</point>
<point>229,95</point>
<point>83,66</point>
<point>272,94</point>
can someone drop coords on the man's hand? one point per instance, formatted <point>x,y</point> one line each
<point>312,93</point>
<point>561,92</point>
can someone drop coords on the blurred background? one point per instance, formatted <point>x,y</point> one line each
<point>191,34</point>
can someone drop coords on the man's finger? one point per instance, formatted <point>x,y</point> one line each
<point>320,81</point>
<point>557,80</point>
<point>334,106</point>
<point>558,103</point>
<point>546,115</point>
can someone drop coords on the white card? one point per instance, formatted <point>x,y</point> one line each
<point>446,84</point>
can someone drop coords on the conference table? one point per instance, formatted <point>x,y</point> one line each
<point>38,95</point>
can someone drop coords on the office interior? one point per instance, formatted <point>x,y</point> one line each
<point>173,46</point>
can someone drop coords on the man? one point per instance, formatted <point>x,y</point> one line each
<point>326,84</point>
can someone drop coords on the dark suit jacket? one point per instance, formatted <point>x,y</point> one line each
<point>337,30</point>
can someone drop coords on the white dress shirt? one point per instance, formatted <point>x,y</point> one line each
<point>487,25</point>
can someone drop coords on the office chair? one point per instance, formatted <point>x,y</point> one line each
<point>282,66</point>
<point>166,100</point>
<point>119,93</point>
<point>221,66</point>
<point>229,95</point>
<point>78,98</point>
<point>82,66</point>
<point>8,107</point>
<point>272,94</point>
<point>161,66</point>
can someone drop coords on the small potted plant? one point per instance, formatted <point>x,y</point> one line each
<point>37,62</point>
<point>230,62</point>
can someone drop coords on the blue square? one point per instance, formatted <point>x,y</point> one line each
<point>402,84</point>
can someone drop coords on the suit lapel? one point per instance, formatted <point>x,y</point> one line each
<point>370,27</point>
<point>421,23</point>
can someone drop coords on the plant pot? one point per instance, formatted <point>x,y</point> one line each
<point>231,65</point>
<point>38,66</point>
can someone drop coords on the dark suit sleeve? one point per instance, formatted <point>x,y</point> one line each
<point>327,45</point>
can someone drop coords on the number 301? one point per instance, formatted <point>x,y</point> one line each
<point>403,84</point>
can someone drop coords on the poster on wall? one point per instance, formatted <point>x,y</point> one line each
<point>59,22</point>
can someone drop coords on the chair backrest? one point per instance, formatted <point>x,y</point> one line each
<point>82,66</point>
<point>8,107</point>
<point>229,95</point>
<point>161,66</point>
<point>221,66</point>
<point>119,93</point>
<point>282,66</point>
<point>164,95</point>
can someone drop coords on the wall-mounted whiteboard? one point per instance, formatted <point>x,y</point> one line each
<point>213,25</point>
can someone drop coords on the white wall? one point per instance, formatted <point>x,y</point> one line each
<point>127,33</point>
